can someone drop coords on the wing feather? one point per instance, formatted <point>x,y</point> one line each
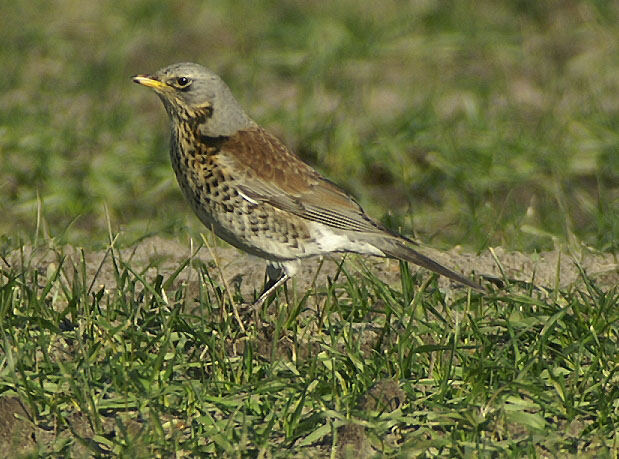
<point>268,172</point>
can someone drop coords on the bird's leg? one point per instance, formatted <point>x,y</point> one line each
<point>274,272</point>
<point>269,289</point>
<point>277,276</point>
<point>278,273</point>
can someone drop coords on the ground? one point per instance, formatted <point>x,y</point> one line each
<point>155,257</point>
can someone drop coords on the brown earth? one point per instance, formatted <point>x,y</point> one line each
<point>161,256</point>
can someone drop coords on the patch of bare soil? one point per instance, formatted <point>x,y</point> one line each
<point>232,268</point>
<point>20,437</point>
<point>384,396</point>
<point>17,432</point>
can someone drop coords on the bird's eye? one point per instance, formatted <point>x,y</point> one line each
<point>183,81</point>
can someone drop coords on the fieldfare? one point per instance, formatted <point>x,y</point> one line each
<point>253,192</point>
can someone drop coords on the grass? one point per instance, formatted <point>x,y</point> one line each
<point>488,124</point>
<point>154,368</point>
<point>481,124</point>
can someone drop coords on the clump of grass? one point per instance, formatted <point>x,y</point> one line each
<point>149,366</point>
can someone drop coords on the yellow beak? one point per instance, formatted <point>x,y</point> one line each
<point>147,80</point>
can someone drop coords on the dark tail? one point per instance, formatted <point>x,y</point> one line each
<point>402,252</point>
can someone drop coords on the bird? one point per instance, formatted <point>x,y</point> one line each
<point>253,192</point>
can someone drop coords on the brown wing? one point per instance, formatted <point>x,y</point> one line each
<point>270,173</point>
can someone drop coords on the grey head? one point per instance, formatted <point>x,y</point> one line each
<point>191,91</point>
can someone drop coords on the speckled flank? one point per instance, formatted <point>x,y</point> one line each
<point>213,193</point>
